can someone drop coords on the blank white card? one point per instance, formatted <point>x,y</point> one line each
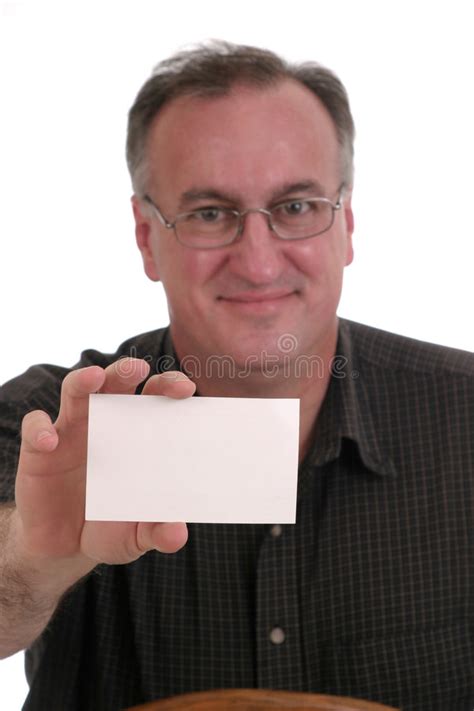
<point>202,459</point>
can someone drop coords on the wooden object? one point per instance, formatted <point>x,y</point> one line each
<point>259,700</point>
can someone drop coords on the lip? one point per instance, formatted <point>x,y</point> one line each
<point>249,297</point>
<point>257,303</point>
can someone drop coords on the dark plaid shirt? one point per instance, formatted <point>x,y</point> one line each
<point>369,595</point>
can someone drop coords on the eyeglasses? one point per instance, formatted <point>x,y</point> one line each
<point>213,226</point>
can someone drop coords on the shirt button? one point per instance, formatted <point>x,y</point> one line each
<point>276,530</point>
<point>277,635</point>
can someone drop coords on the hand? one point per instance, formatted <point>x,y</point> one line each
<point>51,479</point>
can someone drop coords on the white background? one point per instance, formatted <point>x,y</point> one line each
<point>70,273</point>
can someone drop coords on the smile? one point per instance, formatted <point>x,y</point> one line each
<point>258,302</point>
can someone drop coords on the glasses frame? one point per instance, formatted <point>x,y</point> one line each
<point>241,214</point>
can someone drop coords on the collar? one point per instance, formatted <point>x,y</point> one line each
<point>346,417</point>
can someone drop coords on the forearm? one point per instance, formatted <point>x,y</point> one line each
<point>29,592</point>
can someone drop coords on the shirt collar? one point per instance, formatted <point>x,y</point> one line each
<point>346,417</point>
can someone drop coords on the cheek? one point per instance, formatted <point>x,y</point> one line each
<point>322,258</point>
<point>310,257</point>
<point>198,267</point>
<point>189,270</point>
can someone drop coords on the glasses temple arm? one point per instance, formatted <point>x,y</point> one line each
<point>162,218</point>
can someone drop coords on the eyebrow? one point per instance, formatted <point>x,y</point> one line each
<point>302,186</point>
<point>195,194</point>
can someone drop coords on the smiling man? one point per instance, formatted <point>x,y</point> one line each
<point>242,172</point>
<point>236,283</point>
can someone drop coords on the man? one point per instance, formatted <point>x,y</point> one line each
<point>242,175</point>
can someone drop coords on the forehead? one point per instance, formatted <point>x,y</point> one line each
<point>247,141</point>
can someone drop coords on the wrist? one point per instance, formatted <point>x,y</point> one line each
<point>46,577</point>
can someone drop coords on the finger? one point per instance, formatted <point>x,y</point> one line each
<point>38,433</point>
<point>75,391</point>
<point>172,384</point>
<point>124,375</point>
<point>164,537</point>
<point>117,542</point>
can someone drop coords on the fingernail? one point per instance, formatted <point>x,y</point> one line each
<point>43,435</point>
<point>173,375</point>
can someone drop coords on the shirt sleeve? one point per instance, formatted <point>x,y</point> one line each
<point>37,389</point>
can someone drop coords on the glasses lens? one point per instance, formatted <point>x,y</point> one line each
<point>207,228</point>
<point>302,218</point>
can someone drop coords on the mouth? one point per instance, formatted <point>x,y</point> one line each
<point>250,296</point>
<point>249,301</point>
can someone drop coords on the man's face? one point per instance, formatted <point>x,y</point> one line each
<point>248,148</point>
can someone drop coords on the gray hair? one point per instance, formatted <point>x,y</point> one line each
<point>211,70</point>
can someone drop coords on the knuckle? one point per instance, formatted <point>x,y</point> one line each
<point>68,384</point>
<point>78,384</point>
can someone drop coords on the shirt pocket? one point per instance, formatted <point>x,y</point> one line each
<point>426,670</point>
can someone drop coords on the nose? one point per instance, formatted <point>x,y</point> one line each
<point>257,255</point>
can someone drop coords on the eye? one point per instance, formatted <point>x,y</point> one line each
<point>209,214</point>
<point>295,208</point>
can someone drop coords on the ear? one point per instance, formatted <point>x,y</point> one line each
<point>143,236</point>
<point>349,223</point>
